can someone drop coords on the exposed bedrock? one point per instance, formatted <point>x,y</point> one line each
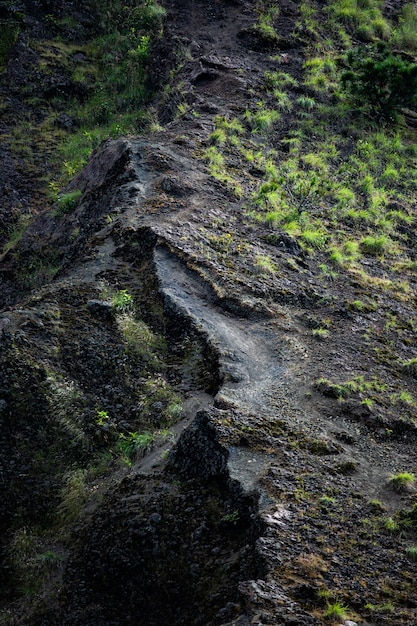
<point>172,539</point>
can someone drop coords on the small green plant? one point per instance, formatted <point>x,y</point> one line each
<point>327,272</point>
<point>403,397</point>
<point>122,300</point>
<point>49,557</point>
<point>265,264</point>
<point>320,333</point>
<point>215,162</point>
<point>102,418</point>
<point>262,120</point>
<point>362,307</point>
<point>282,101</point>
<point>405,33</point>
<point>173,411</point>
<point>357,385</point>
<point>315,239</point>
<point>264,26</point>
<point>306,102</point>
<point>218,137</point>
<point>138,338</point>
<point>275,80</point>
<point>320,74</point>
<point>232,518</point>
<point>332,390</point>
<point>377,506</point>
<point>328,501</point>
<point>182,109</point>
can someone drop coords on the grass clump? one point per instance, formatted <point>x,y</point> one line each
<point>74,495</point>
<point>67,202</point>
<point>391,525</point>
<point>362,18</point>
<point>262,120</point>
<point>276,80</point>
<point>404,35</point>
<point>335,611</point>
<point>265,265</point>
<point>412,552</point>
<point>264,26</point>
<point>362,307</point>
<point>139,340</point>
<point>403,481</point>
<point>377,506</point>
<point>357,385</point>
<point>320,333</point>
<point>315,239</point>
<point>410,367</point>
<point>374,245</point>
<point>135,443</point>
<point>115,79</point>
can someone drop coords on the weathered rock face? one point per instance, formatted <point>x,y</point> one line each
<point>187,533</point>
<point>197,454</point>
<point>165,547</point>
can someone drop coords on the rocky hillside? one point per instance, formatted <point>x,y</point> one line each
<point>207,338</point>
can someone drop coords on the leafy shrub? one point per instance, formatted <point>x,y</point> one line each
<point>122,300</point>
<point>383,81</point>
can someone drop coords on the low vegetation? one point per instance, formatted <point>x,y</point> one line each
<point>106,73</point>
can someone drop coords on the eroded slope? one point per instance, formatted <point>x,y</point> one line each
<point>170,295</point>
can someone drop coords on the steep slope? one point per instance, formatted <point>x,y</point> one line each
<point>250,356</point>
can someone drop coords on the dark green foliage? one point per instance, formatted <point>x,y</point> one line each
<point>121,55</point>
<point>380,80</point>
